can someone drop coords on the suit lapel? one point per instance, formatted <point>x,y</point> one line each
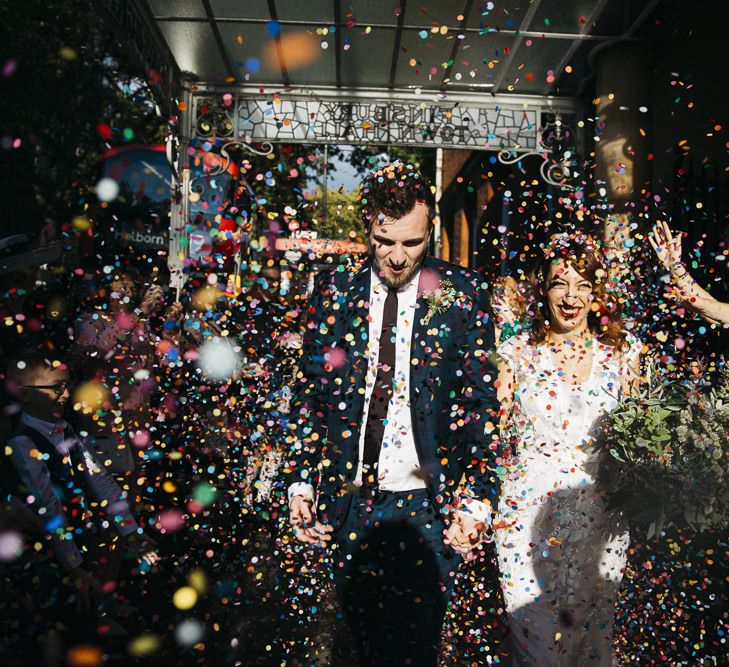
<point>422,344</point>
<point>356,318</point>
<point>358,307</point>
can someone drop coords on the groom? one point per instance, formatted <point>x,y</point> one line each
<point>395,425</point>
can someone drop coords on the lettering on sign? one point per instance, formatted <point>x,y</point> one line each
<point>489,127</point>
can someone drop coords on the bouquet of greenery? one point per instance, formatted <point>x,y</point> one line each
<point>669,449</point>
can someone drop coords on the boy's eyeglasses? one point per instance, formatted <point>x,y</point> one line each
<point>57,388</point>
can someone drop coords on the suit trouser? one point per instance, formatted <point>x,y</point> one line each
<point>394,577</point>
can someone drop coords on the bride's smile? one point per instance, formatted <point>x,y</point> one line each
<point>569,298</point>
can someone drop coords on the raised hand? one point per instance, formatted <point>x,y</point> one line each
<point>174,311</point>
<point>501,307</point>
<point>152,297</point>
<point>290,340</point>
<point>684,291</point>
<point>253,370</point>
<point>667,246</point>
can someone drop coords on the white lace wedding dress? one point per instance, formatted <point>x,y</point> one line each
<point>561,555</point>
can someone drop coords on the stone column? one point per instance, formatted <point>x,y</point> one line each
<point>622,103</point>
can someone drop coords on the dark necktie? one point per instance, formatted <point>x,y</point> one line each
<point>381,394</point>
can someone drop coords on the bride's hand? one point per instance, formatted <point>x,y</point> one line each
<point>502,308</point>
<point>464,534</point>
<point>667,246</point>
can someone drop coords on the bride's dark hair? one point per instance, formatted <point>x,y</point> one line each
<point>582,253</point>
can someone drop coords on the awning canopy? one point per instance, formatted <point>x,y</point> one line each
<point>502,47</point>
<point>488,74</point>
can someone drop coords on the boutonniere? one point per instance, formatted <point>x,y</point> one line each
<point>441,299</point>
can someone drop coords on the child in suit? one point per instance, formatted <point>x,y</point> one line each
<point>67,487</point>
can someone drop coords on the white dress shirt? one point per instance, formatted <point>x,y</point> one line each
<point>398,468</point>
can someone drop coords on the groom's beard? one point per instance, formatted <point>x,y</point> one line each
<point>397,280</point>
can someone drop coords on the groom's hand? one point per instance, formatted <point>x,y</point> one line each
<point>464,533</point>
<point>302,520</point>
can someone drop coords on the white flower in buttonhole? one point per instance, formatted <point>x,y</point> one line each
<point>442,298</point>
<point>218,359</point>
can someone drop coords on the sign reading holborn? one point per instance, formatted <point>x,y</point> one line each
<point>494,127</point>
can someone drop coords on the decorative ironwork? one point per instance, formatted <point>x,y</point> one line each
<point>212,119</point>
<point>557,150</point>
<point>311,120</point>
<point>172,153</point>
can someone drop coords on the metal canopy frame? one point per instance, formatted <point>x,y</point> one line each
<point>483,48</point>
<point>392,53</point>
<point>497,32</point>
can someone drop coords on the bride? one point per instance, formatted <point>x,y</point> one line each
<point>561,554</point>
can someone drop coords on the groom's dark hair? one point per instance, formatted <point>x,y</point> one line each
<point>393,191</point>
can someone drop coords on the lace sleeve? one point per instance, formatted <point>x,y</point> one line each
<point>510,349</point>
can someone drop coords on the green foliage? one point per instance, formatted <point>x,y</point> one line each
<point>288,184</point>
<point>669,445</point>
<point>367,157</point>
<point>342,220</point>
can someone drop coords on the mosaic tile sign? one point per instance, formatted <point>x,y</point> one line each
<point>494,127</point>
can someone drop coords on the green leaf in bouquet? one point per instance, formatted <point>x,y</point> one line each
<point>653,402</point>
<point>651,530</point>
<point>670,445</point>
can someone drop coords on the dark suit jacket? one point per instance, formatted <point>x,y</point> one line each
<point>452,394</point>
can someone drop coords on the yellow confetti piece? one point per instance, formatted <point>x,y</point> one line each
<point>67,53</point>
<point>185,598</point>
<point>81,223</point>
<point>90,396</point>
<point>205,298</point>
<point>143,645</point>
<point>198,580</point>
